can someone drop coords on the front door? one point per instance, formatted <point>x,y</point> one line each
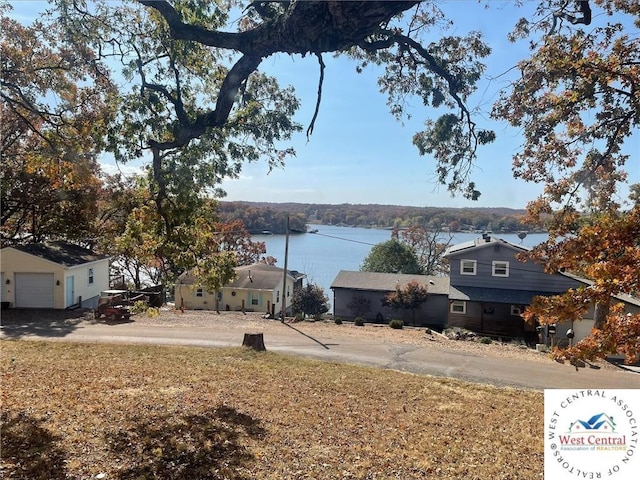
<point>70,292</point>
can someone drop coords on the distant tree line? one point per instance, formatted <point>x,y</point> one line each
<point>259,216</point>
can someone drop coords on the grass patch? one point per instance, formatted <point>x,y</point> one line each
<point>79,410</point>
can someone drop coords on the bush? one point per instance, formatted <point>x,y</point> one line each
<point>358,322</point>
<point>338,321</point>
<point>139,307</point>
<point>397,324</point>
<point>485,340</point>
<point>153,312</point>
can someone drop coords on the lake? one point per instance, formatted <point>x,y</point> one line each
<point>323,254</point>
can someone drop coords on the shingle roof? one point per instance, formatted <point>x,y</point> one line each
<point>482,242</point>
<point>258,276</point>
<point>387,282</point>
<point>623,297</point>
<point>494,295</point>
<point>62,253</point>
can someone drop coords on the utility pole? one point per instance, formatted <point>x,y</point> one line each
<point>284,281</point>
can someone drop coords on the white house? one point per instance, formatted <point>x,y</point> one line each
<point>52,275</point>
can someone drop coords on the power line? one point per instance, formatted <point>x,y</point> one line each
<point>345,239</point>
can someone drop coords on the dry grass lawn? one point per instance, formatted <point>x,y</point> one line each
<point>86,411</point>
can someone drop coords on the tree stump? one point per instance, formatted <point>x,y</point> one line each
<point>254,340</point>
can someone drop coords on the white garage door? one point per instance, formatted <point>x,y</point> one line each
<point>34,290</point>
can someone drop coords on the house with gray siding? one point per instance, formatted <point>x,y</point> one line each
<point>490,287</point>
<point>487,291</point>
<point>369,288</point>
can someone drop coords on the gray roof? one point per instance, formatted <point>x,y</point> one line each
<point>482,242</point>
<point>623,297</point>
<point>494,295</point>
<point>387,282</point>
<point>258,276</point>
<point>62,253</point>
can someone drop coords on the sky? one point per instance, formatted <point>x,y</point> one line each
<point>358,152</point>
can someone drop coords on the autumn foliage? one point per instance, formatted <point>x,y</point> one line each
<point>605,249</point>
<point>576,101</point>
<point>408,298</point>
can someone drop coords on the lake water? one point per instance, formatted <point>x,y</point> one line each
<point>322,255</point>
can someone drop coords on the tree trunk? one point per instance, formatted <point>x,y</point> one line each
<point>255,341</point>
<point>600,313</point>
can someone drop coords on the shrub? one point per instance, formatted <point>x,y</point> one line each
<point>338,321</point>
<point>153,312</point>
<point>139,307</point>
<point>396,324</point>
<point>358,322</point>
<point>485,340</point>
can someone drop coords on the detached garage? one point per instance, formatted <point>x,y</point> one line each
<point>52,275</point>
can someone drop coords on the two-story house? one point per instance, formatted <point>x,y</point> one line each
<point>490,287</point>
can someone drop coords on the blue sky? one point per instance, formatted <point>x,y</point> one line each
<point>360,154</point>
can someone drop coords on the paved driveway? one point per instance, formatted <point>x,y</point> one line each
<point>335,347</point>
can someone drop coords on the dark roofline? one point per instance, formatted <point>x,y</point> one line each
<point>61,253</point>
<point>481,242</point>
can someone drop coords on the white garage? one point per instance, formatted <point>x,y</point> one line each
<point>34,290</point>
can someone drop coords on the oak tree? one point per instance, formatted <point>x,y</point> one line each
<point>577,102</point>
<point>195,103</point>
<point>54,105</point>
<point>199,105</point>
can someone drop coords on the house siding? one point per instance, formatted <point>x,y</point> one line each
<point>491,319</point>
<point>237,297</point>
<point>90,293</point>
<point>432,314</point>
<point>15,261</point>
<point>489,298</point>
<point>522,275</point>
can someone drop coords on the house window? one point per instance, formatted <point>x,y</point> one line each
<point>517,309</point>
<point>199,292</point>
<point>254,301</point>
<point>468,267</point>
<point>91,276</point>
<point>500,269</point>
<point>459,306</point>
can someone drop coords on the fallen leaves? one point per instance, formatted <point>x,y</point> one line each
<point>173,413</point>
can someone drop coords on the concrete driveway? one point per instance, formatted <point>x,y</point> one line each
<point>334,347</point>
